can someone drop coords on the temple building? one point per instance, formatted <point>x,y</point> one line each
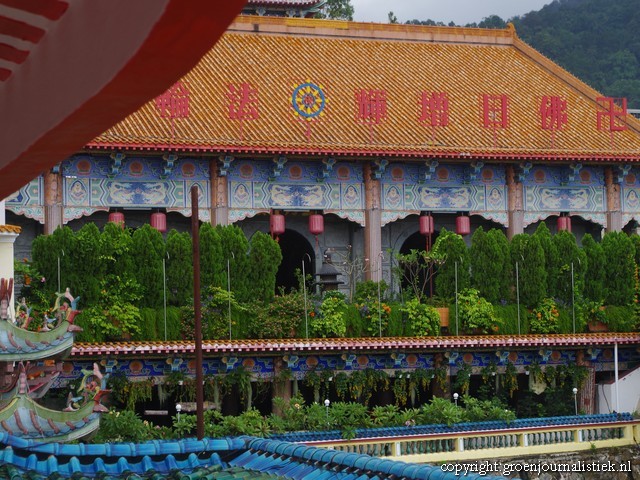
<point>339,136</point>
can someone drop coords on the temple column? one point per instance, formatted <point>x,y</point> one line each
<point>8,235</point>
<point>515,204</point>
<point>614,210</point>
<point>281,388</point>
<point>372,226</point>
<point>587,393</point>
<point>53,208</point>
<point>219,195</point>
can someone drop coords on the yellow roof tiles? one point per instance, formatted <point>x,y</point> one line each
<point>264,60</point>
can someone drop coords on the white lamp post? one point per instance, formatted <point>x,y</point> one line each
<point>575,399</point>
<point>455,398</point>
<point>326,405</point>
<point>178,410</point>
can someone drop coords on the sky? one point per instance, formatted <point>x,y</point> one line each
<point>460,12</point>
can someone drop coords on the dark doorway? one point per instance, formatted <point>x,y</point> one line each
<point>422,243</point>
<point>295,250</point>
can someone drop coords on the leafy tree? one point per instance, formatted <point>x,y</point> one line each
<point>179,267</point>
<point>571,259</point>
<point>594,276</point>
<point>527,252</point>
<point>551,261</point>
<point>212,264</point>
<point>87,268</point>
<point>501,248</point>
<point>265,257</point>
<point>234,248</point>
<point>48,252</point>
<point>488,265</point>
<point>619,268</point>
<point>451,247</point>
<point>148,250</point>
<point>115,250</point>
<point>392,18</point>
<point>337,9</point>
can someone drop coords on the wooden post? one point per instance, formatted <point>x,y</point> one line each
<point>195,234</point>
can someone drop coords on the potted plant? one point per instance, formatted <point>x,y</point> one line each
<point>595,316</point>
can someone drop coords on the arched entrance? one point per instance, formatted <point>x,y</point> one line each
<point>419,242</point>
<point>295,250</point>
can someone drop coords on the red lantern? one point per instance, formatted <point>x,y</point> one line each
<point>426,225</point>
<point>159,221</point>
<point>564,223</point>
<point>316,224</point>
<point>463,225</point>
<point>276,224</point>
<point>117,218</point>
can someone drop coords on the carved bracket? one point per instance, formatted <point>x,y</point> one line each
<point>380,167</point>
<point>169,163</point>
<point>278,167</point>
<point>430,170</point>
<point>523,170</point>
<point>348,359</point>
<point>224,162</point>
<point>327,168</point>
<point>292,361</point>
<point>116,163</point>
<point>452,357</point>
<point>475,168</point>
<point>503,356</point>
<point>398,358</point>
<point>623,171</point>
<point>175,363</point>
<point>575,171</point>
<point>229,362</point>
<point>545,354</point>
<point>593,353</point>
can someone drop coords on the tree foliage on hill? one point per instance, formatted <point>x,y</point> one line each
<point>337,9</point>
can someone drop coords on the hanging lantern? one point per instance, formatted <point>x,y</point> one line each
<point>316,224</point>
<point>463,225</point>
<point>426,225</point>
<point>159,221</point>
<point>276,224</point>
<point>117,218</point>
<point>564,223</point>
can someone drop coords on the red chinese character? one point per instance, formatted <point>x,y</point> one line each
<point>174,103</point>
<point>553,113</point>
<point>614,114</point>
<point>495,111</point>
<point>372,108</point>
<point>243,102</point>
<point>435,109</point>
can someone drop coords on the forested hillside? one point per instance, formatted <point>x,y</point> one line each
<point>596,40</point>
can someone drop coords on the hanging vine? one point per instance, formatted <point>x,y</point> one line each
<point>400,389</point>
<point>510,378</point>
<point>463,378</point>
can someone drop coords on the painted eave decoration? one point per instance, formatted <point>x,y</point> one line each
<point>317,87</point>
<point>70,70</point>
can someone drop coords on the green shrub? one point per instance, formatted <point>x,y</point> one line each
<point>621,319</point>
<point>147,325</point>
<point>423,320</point>
<point>507,316</point>
<point>173,323</point>
<point>475,313</point>
<point>283,317</point>
<point>330,320</point>
<point>544,317</point>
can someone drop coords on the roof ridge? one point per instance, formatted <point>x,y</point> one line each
<point>370,30</point>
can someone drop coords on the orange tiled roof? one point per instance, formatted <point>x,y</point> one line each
<point>274,55</point>
<point>10,229</point>
<point>356,344</point>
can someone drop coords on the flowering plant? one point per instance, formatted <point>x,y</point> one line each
<point>594,312</point>
<point>544,318</point>
<point>376,316</point>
